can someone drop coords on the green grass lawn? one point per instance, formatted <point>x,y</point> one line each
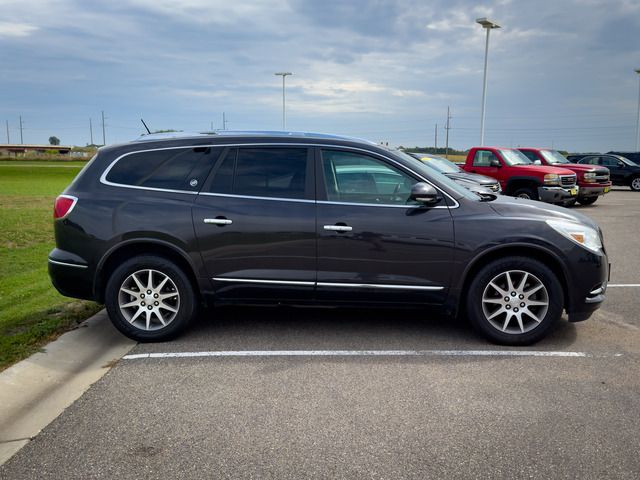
<point>32,312</point>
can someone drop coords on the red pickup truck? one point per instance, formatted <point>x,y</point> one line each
<point>593,180</point>
<point>520,177</point>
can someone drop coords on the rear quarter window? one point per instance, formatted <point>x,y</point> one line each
<point>170,169</point>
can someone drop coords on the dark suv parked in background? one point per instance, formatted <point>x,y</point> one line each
<point>158,227</point>
<point>623,171</point>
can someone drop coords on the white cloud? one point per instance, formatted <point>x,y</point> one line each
<point>10,29</point>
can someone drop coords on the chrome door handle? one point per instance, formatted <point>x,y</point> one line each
<point>218,221</point>
<point>338,228</point>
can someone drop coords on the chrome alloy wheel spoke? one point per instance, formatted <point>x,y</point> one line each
<point>160,303</point>
<point>515,302</point>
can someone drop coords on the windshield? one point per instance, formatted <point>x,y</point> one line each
<point>441,164</point>
<point>442,179</point>
<point>554,157</point>
<point>514,157</point>
<point>626,160</point>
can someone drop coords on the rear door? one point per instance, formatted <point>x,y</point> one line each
<point>616,168</point>
<point>374,244</point>
<point>256,224</point>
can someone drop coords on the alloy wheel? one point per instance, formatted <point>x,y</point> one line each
<point>148,299</point>
<point>515,302</point>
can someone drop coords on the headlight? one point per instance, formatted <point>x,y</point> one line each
<point>551,179</point>
<point>583,235</point>
<point>590,177</point>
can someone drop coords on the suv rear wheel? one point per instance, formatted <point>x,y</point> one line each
<point>515,301</point>
<point>150,299</point>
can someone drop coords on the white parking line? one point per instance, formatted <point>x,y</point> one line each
<point>614,285</point>
<point>366,353</point>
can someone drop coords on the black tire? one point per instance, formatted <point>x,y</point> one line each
<point>526,192</point>
<point>498,329</point>
<point>587,200</point>
<point>635,184</point>
<point>176,293</point>
<point>570,203</point>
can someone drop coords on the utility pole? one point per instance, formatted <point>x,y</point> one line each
<point>104,138</point>
<point>8,139</point>
<point>436,142</point>
<point>446,151</point>
<point>211,130</point>
<point>21,142</point>
<point>224,121</point>
<point>91,131</point>
<point>283,75</point>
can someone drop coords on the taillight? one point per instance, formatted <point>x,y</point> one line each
<point>63,206</point>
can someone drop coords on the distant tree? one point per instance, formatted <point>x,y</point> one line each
<point>54,141</point>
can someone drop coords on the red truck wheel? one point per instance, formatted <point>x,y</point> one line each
<point>527,193</point>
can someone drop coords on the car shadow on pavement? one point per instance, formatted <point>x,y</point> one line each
<point>289,328</point>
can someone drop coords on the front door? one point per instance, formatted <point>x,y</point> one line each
<point>481,164</point>
<point>255,221</point>
<point>374,244</point>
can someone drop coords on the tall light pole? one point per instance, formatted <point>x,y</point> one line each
<point>638,117</point>
<point>489,25</point>
<point>283,75</point>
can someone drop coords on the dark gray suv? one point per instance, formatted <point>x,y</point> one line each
<point>159,227</point>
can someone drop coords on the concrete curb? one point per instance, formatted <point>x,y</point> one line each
<point>36,390</point>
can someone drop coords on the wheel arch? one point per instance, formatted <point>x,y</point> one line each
<point>141,246</point>
<point>514,183</point>
<point>537,252</point>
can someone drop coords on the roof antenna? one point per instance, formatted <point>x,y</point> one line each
<point>145,126</point>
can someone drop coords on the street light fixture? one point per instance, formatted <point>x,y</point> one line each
<point>489,25</point>
<point>283,75</point>
<point>638,116</point>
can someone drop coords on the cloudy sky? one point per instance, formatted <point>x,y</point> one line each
<point>561,72</point>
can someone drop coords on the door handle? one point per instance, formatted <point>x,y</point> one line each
<point>338,228</point>
<point>218,221</point>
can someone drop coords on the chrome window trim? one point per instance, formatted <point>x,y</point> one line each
<point>103,177</point>
<point>67,264</point>
<point>251,197</point>
<point>269,282</point>
<point>330,284</point>
<point>385,205</point>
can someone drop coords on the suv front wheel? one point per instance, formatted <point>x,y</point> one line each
<point>150,299</point>
<point>515,301</point>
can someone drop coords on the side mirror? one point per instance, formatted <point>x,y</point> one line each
<point>424,193</point>
<point>495,163</point>
<point>537,162</point>
<point>621,164</point>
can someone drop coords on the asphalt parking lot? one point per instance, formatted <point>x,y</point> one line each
<point>445,404</point>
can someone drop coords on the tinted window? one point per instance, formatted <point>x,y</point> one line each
<point>264,172</point>
<point>530,155</point>
<point>175,169</point>
<point>590,160</point>
<point>483,158</point>
<point>351,177</point>
<point>610,161</point>
<point>223,174</point>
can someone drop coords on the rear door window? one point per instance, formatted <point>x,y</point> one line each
<point>275,172</point>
